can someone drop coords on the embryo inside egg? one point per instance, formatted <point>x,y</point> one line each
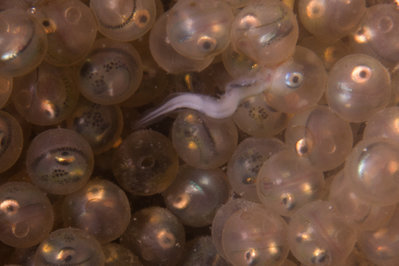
<point>199,132</point>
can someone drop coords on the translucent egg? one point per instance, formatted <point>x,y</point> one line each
<point>23,42</point>
<point>266,32</point>
<point>71,29</point>
<point>5,90</point>
<point>11,141</point>
<point>320,136</point>
<point>372,168</point>
<point>377,33</point>
<point>145,163</point>
<point>361,214</point>
<point>100,125</point>
<point>255,236</point>
<point>101,208</point>
<point>286,182</point>
<point>45,96</point>
<point>166,57</point>
<point>199,29</point>
<point>196,194</point>
<point>381,245</point>
<point>221,216</point>
<point>358,86</point>
<point>124,20</point>
<point>156,235</point>
<point>317,235</point>
<point>255,117</point>
<point>383,124</point>
<point>59,161</point>
<point>69,246</point>
<point>298,84</point>
<point>26,215</point>
<point>246,161</point>
<point>201,251</point>
<point>111,73</point>
<point>331,20</point>
<point>118,255</point>
<point>203,142</point>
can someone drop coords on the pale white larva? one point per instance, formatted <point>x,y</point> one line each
<point>218,108</point>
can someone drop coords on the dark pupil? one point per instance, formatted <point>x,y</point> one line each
<point>207,45</point>
<point>68,258</point>
<point>295,79</point>
<point>363,74</point>
<point>143,19</point>
<point>46,23</point>
<point>10,208</point>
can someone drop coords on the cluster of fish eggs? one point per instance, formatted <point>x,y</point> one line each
<point>199,132</point>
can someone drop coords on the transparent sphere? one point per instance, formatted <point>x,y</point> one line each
<point>145,163</point>
<point>23,42</point>
<point>237,64</point>
<point>196,194</point>
<point>358,86</point>
<point>201,251</point>
<point>255,236</point>
<point>331,20</point>
<point>266,32</point>
<point>286,182</point>
<point>111,73</point>
<point>199,29</point>
<point>59,161</point>
<point>69,246</point>
<point>297,84</point>
<point>377,33</point>
<point>100,125</point>
<point>165,55</point>
<point>156,235</point>
<point>5,90</point>
<point>383,124</point>
<point>373,172</point>
<point>101,208</point>
<point>361,214</point>
<point>124,20</point>
<point>246,161</point>
<point>71,29</point>
<point>203,142</point>
<point>11,141</point>
<point>318,235</point>
<point>320,136</point>
<point>26,215</point>
<point>255,117</point>
<point>45,96</point>
<point>381,245</point>
<point>220,218</point>
<point>118,255</point>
